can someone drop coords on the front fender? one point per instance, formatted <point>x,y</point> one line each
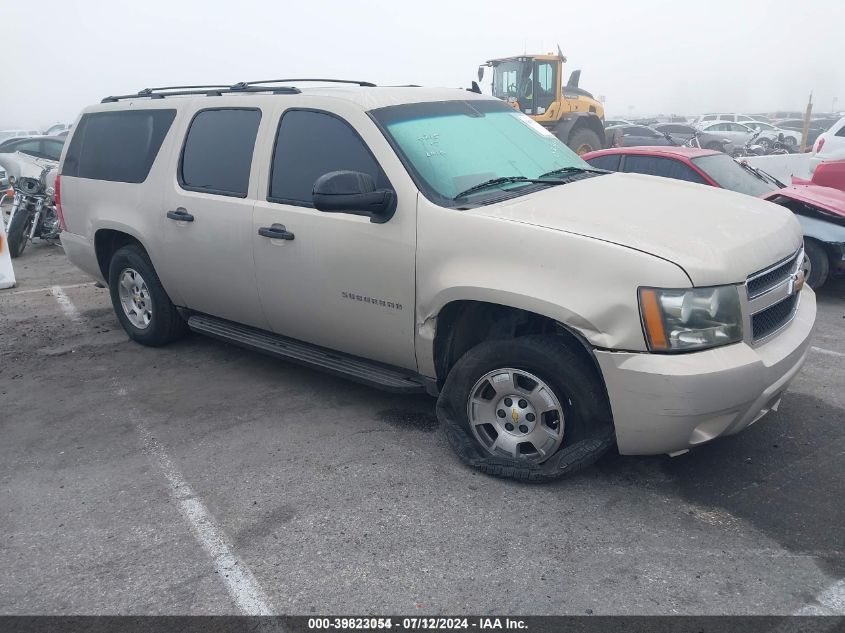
<point>820,230</point>
<point>588,285</point>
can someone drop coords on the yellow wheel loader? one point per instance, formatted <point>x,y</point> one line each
<point>533,84</point>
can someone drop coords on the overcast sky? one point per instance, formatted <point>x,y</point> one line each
<point>645,57</point>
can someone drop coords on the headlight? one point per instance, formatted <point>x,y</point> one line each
<point>690,319</point>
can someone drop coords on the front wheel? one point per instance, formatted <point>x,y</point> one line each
<point>816,264</point>
<point>527,408</point>
<point>583,141</point>
<point>19,229</point>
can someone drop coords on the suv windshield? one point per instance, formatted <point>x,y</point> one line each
<point>728,174</point>
<point>451,146</point>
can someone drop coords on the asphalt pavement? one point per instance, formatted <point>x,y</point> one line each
<point>202,478</point>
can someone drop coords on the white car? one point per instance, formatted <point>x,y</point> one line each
<point>830,145</point>
<point>769,132</point>
<point>710,118</point>
<point>736,133</point>
<point>5,135</point>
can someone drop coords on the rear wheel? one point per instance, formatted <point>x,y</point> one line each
<point>816,264</point>
<point>19,229</point>
<point>140,301</point>
<point>527,408</point>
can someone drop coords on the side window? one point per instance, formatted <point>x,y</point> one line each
<point>33,147</point>
<point>310,144</point>
<point>841,131</point>
<point>52,149</point>
<point>217,156</point>
<point>608,161</point>
<point>545,77</point>
<point>117,146</point>
<point>709,117</point>
<point>659,166</point>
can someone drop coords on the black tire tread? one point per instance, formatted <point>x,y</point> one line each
<point>15,236</point>
<point>169,324</point>
<point>819,261</point>
<point>595,440</point>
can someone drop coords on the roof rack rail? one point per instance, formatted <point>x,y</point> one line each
<point>365,84</point>
<point>215,90</point>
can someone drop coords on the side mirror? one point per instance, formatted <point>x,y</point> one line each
<point>355,193</point>
<point>480,73</point>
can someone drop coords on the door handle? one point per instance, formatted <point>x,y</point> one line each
<point>180,215</point>
<point>275,232</point>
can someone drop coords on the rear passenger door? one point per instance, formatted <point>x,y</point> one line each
<point>339,280</point>
<point>207,215</point>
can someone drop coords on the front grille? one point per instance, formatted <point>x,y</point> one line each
<point>773,318</point>
<point>759,283</point>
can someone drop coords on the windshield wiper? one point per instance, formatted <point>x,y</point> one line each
<point>763,175</point>
<point>503,181</point>
<point>572,170</point>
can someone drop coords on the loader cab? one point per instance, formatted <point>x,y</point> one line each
<point>530,84</point>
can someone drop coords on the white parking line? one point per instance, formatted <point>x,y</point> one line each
<point>827,352</point>
<point>48,289</point>
<point>241,584</point>
<point>65,304</point>
<point>247,594</point>
<point>831,601</point>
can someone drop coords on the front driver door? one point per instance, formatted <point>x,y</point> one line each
<point>339,281</point>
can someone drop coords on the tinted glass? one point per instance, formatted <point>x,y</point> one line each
<point>28,147</point>
<point>52,149</point>
<point>841,131</point>
<point>609,162</point>
<point>659,166</point>
<point>117,146</point>
<point>310,144</point>
<point>218,151</point>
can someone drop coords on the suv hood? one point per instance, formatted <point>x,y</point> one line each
<point>716,236</point>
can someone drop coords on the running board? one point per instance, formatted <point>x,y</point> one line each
<point>351,367</point>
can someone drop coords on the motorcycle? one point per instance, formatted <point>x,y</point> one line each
<point>33,212</point>
<point>750,148</point>
<point>695,141</point>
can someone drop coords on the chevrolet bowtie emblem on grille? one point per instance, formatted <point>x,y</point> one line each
<point>797,282</point>
<point>515,415</point>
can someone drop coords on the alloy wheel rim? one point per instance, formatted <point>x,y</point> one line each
<point>135,298</point>
<point>515,414</point>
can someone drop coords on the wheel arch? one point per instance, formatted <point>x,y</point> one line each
<point>462,324</point>
<point>575,121</point>
<point>112,236</point>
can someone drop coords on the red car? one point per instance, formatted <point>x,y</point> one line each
<point>819,209</point>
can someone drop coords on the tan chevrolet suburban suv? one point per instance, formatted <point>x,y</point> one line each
<point>437,240</point>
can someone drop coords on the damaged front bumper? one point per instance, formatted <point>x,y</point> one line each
<point>668,403</point>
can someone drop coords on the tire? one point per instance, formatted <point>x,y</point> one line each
<point>816,264</point>
<point>154,320</point>
<point>17,235</point>
<point>586,424</point>
<point>583,140</point>
<point>765,143</point>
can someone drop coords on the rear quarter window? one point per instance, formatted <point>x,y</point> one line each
<point>117,146</point>
<point>609,162</point>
